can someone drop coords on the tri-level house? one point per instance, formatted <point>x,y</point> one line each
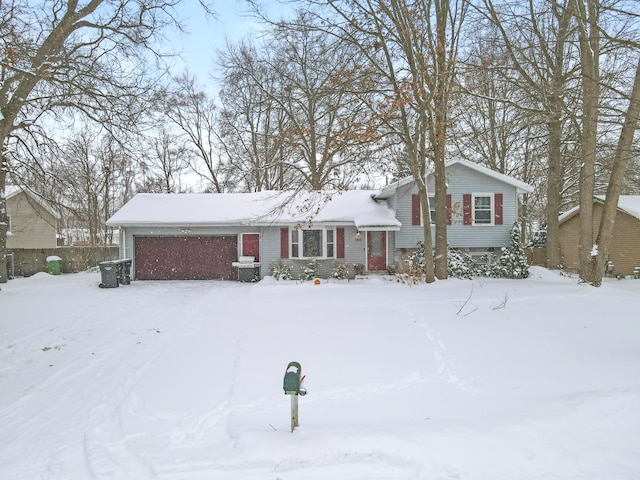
<point>207,236</point>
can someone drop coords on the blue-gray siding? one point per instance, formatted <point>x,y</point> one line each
<point>460,180</point>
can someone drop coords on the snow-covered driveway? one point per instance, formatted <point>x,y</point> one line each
<point>485,379</point>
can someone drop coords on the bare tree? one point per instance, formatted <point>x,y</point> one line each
<point>592,29</point>
<point>193,115</point>
<point>253,127</point>
<point>536,37</point>
<point>411,48</point>
<point>163,163</point>
<point>312,83</point>
<point>81,55</point>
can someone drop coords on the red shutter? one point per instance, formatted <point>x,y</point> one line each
<point>415,209</point>
<point>497,209</point>
<point>340,242</point>
<point>466,208</point>
<point>448,209</point>
<point>284,242</point>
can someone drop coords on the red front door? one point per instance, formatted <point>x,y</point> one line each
<point>251,245</point>
<point>376,251</point>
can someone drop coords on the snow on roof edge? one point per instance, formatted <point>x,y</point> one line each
<point>520,186</point>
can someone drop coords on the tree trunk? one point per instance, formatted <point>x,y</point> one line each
<point>586,12</point>
<point>620,162</point>
<point>428,243</point>
<point>441,220</point>
<point>4,224</point>
<point>444,71</point>
<point>554,184</point>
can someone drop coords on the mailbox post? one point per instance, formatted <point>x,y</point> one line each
<point>292,386</point>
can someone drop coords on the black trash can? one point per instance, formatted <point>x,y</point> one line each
<point>125,274</point>
<point>110,272</point>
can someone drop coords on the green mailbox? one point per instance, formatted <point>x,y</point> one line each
<point>292,379</point>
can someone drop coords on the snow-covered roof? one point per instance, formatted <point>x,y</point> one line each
<point>13,190</point>
<point>627,203</point>
<point>260,208</point>
<point>521,187</point>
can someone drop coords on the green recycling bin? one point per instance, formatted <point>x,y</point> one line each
<point>54,265</point>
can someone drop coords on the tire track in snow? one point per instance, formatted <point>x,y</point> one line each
<point>105,443</point>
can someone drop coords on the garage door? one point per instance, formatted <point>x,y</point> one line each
<point>185,258</point>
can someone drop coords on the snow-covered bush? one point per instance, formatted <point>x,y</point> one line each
<point>310,270</point>
<point>460,265</point>
<point>511,264</point>
<point>415,263</point>
<point>340,271</point>
<point>281,271</point>
<point>414,267</point>
<point>539,238</point>
<point>513,261</point>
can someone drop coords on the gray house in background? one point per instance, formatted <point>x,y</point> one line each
<point>207,236</point>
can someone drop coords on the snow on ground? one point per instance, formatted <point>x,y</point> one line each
<point>474,380</point>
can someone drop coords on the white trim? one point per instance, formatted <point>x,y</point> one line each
<point>492,210</point>
<point>520,186</point>
<point>300,242</point>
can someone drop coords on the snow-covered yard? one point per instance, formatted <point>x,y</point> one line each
<point>529,379</point>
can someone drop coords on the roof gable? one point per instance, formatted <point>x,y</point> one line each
<point>629,204</point>
<point>13,190</point>
<point>521,187</point>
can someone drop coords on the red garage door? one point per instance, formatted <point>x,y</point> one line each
<point>185,258</point>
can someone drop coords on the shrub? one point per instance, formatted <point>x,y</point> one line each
<point>513,261</point>
<point>310,270</point>
<point>460,265</point>
<point>340,271</point>
<point>281,271</point>
<point>511,264</point>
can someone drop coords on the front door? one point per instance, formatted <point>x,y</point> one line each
<point>251,245</point>
<point>376,251</point>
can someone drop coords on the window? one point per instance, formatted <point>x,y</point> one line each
<point>8,223</point>
<point>313,243</point>
<point>295,245</point>
<point>432,209</point>
<point>416,209</point>
<point>483,209</point>
<point>330,244</point>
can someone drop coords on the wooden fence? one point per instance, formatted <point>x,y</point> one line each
<point>24,262</point>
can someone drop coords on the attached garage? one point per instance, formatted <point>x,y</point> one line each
<point>185,257</point>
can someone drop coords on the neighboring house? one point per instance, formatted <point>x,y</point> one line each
<point>624,250</point>
<point>32,222</point>
<point>203,236</point>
